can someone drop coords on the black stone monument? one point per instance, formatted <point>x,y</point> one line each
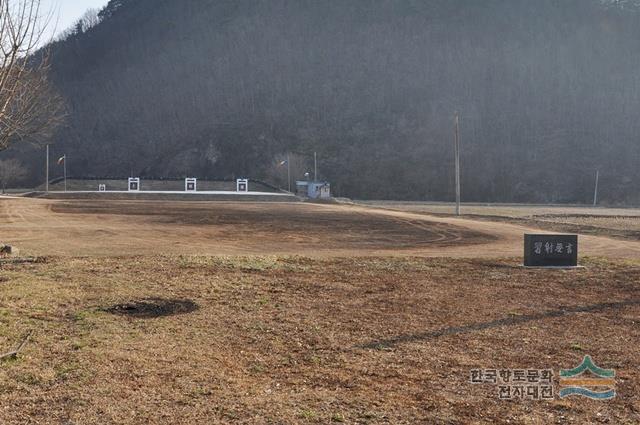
<point>550,250</point>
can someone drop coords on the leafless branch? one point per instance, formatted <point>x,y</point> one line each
<point>29,108</point>
<point>14,353</point>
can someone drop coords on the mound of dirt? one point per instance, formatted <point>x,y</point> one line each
<point>153,307</point>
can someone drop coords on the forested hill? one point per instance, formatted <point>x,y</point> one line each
<point>548,91</point>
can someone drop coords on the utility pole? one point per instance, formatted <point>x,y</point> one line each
<point>65,172</point>
<point>457,153</point>
<point>289,171</point>
<point>46,183</point>
<point>595,194</point>
<point>315,166</point>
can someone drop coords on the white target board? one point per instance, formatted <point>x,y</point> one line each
<point>190,185</point>
<point>242,185</point>
<point>134,184</point>
<point>102,187</point>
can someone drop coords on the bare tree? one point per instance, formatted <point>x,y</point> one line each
<point>90,19</point>
<point>11,171</point>
<point>29,108</point>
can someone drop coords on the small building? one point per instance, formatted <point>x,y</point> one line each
<point>313,190</point>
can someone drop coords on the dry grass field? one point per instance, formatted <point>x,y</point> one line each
<point>505,210</point>
<point>205,313</point>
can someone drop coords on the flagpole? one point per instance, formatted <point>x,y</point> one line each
<point>65,172</point>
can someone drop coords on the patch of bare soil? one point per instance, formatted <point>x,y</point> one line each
<point>153,307</point>
<point>299,340</point>
<point>286,223</point>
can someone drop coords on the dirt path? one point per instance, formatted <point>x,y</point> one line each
<point>509,237</point>
<point>98,228</point>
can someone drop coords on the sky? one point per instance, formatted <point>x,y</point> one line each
<point>67,11</point>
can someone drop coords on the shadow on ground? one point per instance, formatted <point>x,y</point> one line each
<point>507,321</point>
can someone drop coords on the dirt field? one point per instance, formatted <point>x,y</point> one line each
<point>44,227</point>
<point>98,228</point>
<point>620,223</point>
<point>205,313</point>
